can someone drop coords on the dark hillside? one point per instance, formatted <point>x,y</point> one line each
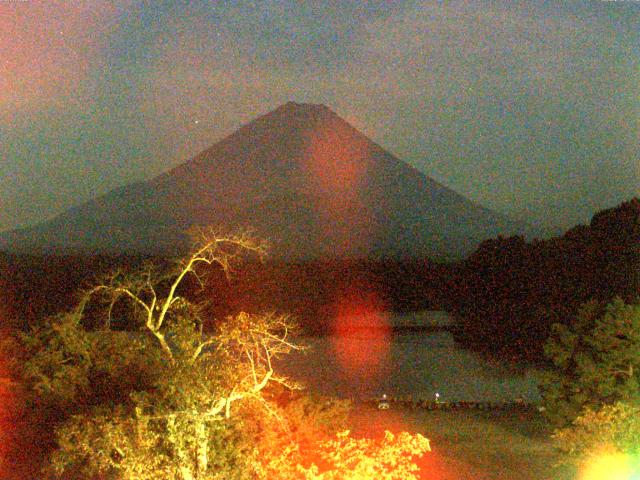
<point>36,286</point>
<point>510,291</point>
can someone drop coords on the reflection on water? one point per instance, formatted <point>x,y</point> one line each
<point>416,364</point>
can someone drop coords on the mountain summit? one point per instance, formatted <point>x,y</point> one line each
<point>301,177</point>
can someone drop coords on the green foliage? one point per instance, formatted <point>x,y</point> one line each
<point>67,368</point>
<point>155,402</point>
<point>125,445</point>
<point>596,360</point>
<point>60,360</point>
<point>613,427</point>
<point>178,425</point>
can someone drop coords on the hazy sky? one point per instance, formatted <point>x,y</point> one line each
<point>530,108</point>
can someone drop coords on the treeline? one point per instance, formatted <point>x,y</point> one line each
<point>35,287</point>
<point>316,292</point>
<point>509,292</point>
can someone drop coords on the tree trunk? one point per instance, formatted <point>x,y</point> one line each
<point>185,463</point>
<point>186,473</point>
<point>203,448</point>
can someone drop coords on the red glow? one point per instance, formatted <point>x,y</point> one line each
<point>7,399</point>
<point>433,466</point>
<point>336,161</point>
<point>335,165</point>
<point>7,388</point>
<point>361,313</point>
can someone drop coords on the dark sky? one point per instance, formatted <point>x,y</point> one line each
<point>530,108</point>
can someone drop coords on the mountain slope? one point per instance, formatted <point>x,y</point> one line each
<point>301,177</point>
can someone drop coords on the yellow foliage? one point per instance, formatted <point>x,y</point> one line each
<point>348,458</point>
<point>609,465</point>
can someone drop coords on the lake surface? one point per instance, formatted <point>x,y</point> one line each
<point>417,364</point>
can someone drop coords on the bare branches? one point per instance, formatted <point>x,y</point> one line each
<point>210,248</point>
<point>249,343</point>
<point>255,341</point>
<point>156,294</point>
<point>199,349</point>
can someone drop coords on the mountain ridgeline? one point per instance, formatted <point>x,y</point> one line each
<point>299,176</point>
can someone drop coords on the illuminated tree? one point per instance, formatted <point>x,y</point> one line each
<point>158,400</point>
<point>166,397</point>
<point>613,428</point>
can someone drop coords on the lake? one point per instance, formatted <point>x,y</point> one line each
<point>363,364</point>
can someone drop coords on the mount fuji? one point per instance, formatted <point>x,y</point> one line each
<point>302,178</point>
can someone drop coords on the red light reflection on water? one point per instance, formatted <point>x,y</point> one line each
<point>360,316</point>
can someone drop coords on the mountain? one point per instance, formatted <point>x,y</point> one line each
<point>301,177</point>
